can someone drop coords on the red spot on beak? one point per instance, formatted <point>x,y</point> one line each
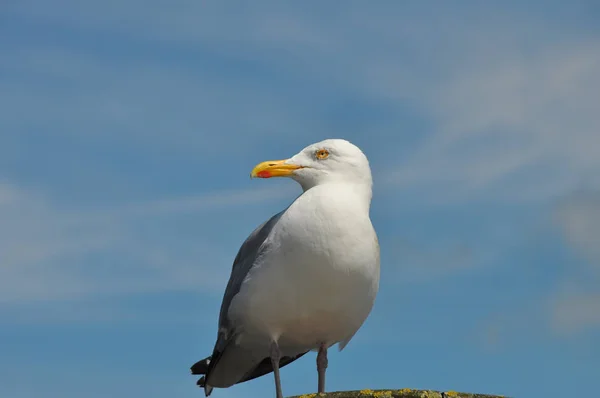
<point>264,174</point>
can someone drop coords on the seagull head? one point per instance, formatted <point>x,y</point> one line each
<point>328,161</point>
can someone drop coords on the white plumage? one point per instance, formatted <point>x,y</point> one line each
<point>307,278</point>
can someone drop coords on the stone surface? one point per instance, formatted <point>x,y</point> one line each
<point>403,393</point>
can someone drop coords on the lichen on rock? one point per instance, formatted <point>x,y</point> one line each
<point>402,393</point>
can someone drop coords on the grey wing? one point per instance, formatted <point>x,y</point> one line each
<point>225,375</point>
<point>245,259</point>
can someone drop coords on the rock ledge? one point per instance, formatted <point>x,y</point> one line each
<point>403,393</point>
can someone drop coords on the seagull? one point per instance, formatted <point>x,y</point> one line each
<point>304,280</point>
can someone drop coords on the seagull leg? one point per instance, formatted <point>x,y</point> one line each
<point>322,366</point>
<point>275,357</point>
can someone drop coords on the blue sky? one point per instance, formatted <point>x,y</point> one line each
<point>129,129</point>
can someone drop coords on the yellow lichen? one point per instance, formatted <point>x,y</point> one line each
<point>404,391</point>
<point>383,394</point>
<point>452,393</point>
<point>366,392</point>
<point>308,396</point>
<point>429,394</point>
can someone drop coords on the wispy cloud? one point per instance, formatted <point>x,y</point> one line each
<point>522,129</point>
<point>413,263</point>
<point>121,119</point>
<point>579,219</point>
<point>508,123</point>
<point>576,306</point>
<point>576,313</point>
<point>571,304</point>
<point>505,123</point>
<point>48,252</point>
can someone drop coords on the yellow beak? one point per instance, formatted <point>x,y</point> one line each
<point>273,168</point>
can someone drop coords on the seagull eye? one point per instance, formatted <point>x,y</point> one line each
<point>322,154</point>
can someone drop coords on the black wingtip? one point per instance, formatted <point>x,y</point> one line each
<point>200,367</point>
<point>201,382</point>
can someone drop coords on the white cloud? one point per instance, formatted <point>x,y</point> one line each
<point>571,307</point>
<point>76,93</point>
<point>575,313</point>
<point>513,106</point>
<point>47,252</point>
<point>213,200</point>
<point>521,129</point>
<point>575,308</point>
<point>413,263</point>
<point>514,119</point>
<point>563,313</point>
<point>579,220</point>
<point>514,324</point>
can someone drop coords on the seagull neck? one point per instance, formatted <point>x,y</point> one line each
<point>360,191</point>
